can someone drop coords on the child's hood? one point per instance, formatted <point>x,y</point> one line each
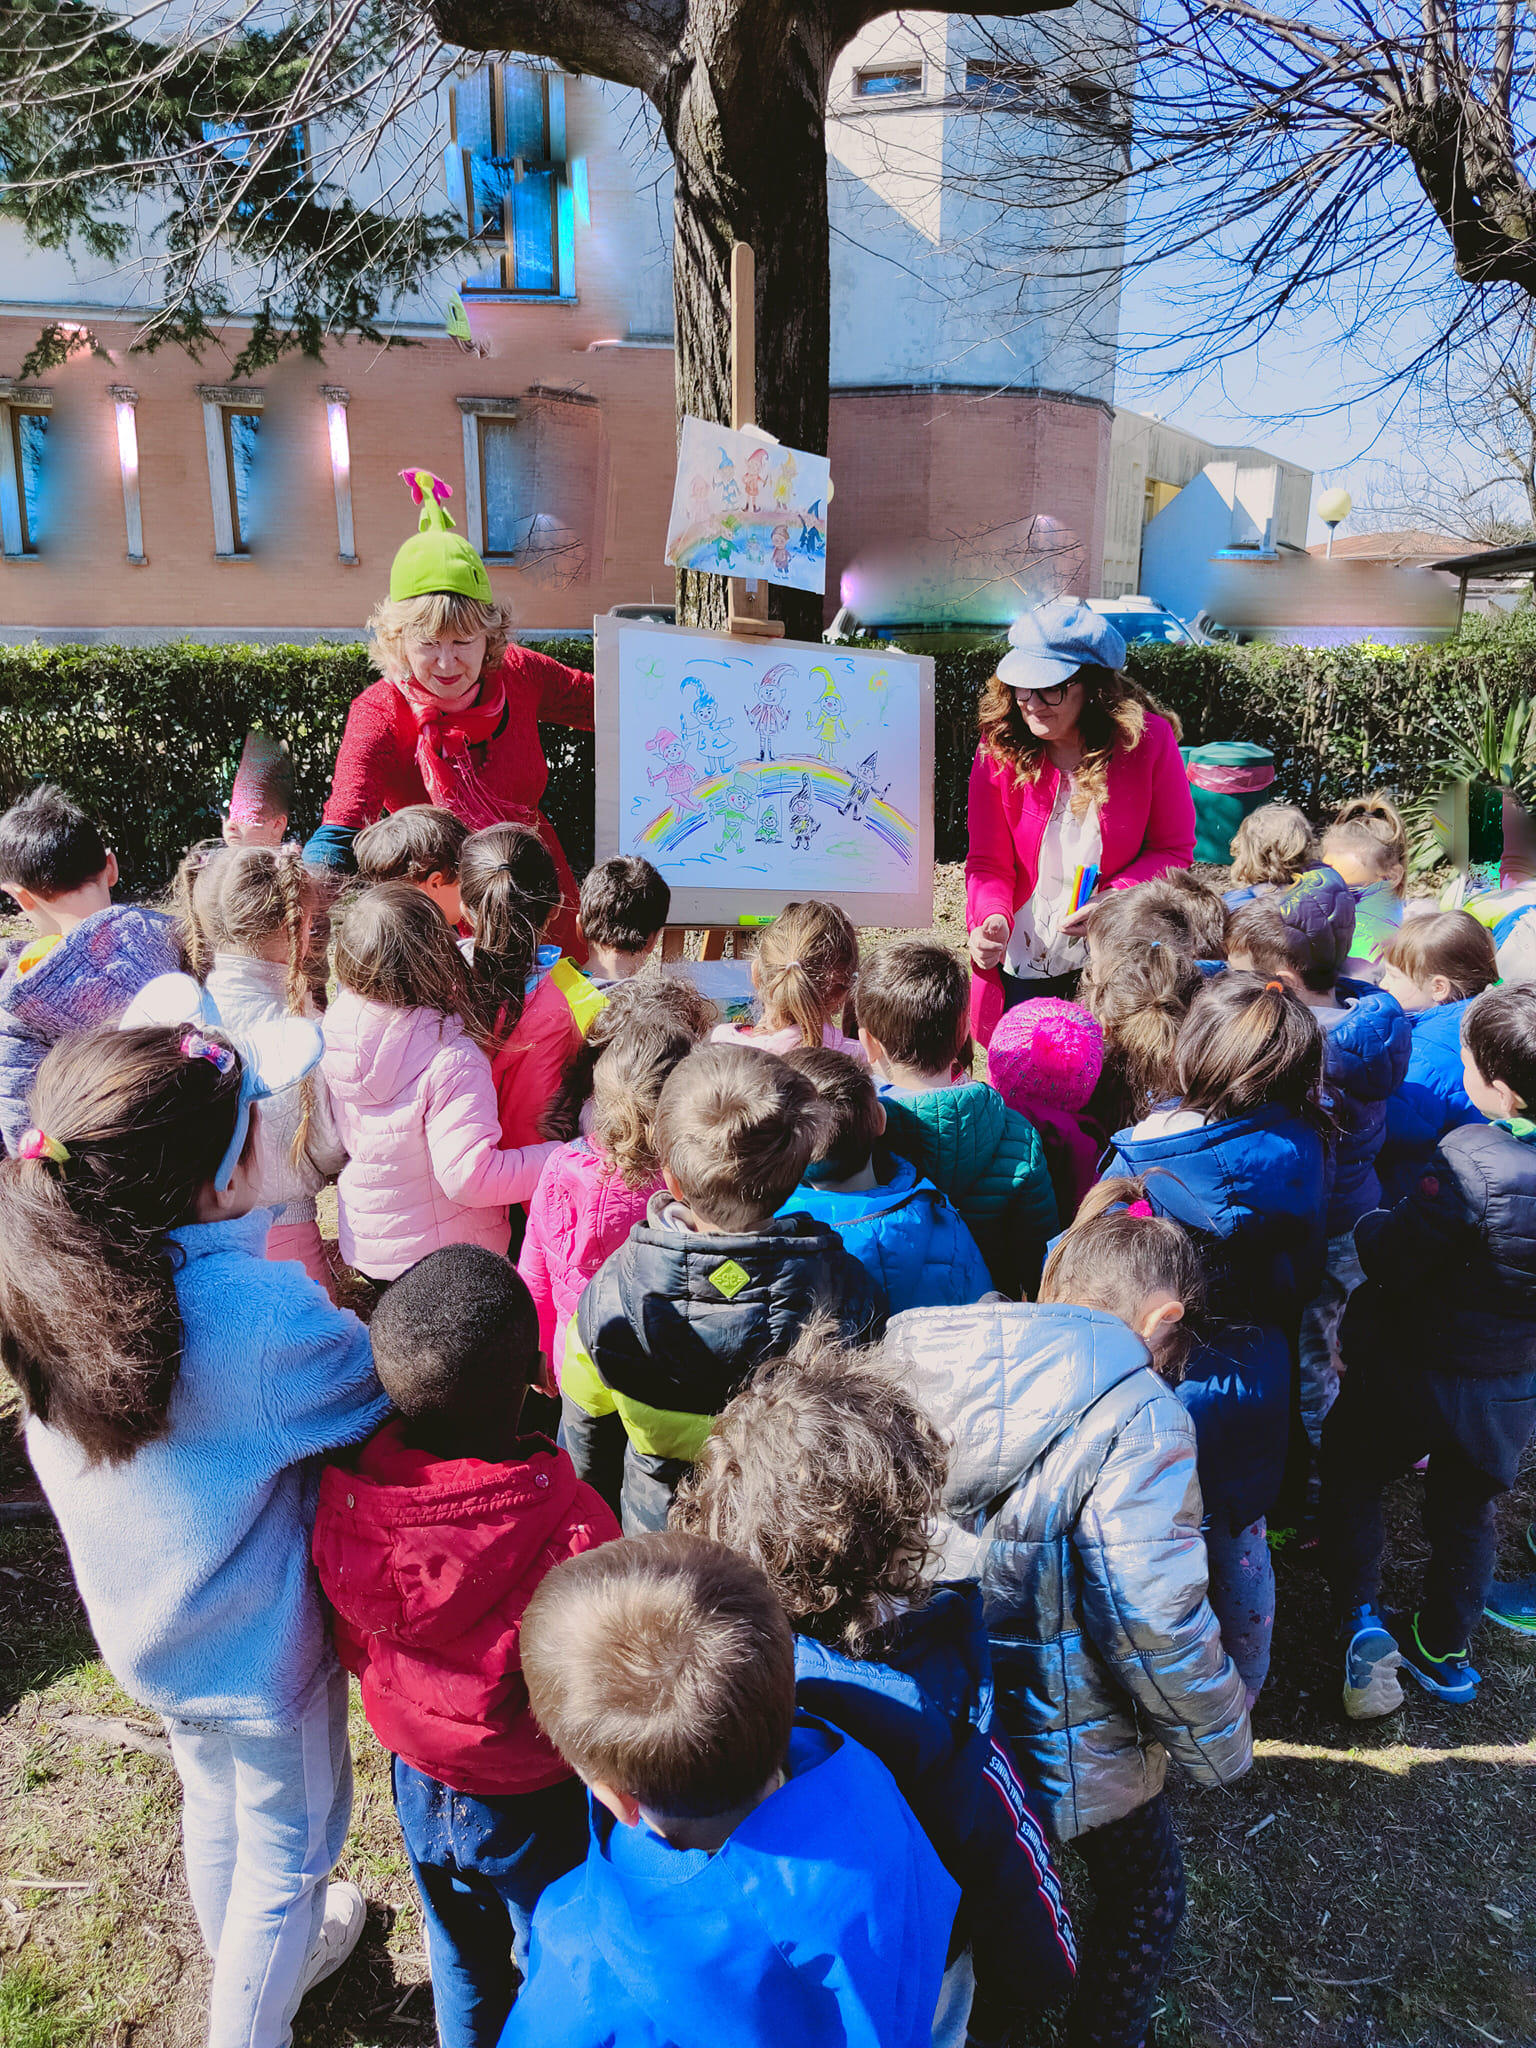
<point>1005,1381</point>
<point>375,1054</point>
<point>1366,1053</point>
<point>421,1549</point>
<point>1224,1176</point>
<point>95,971</point>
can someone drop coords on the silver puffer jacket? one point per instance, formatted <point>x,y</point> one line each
<point>1072,1496</point>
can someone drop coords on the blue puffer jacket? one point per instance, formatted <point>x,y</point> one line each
<point>926,1710</point>
<point>905,1234</point>
<point>1430,1101</point>
<point>1253,1190</point>
<point>84,984</point>
<point>1366,1058</point>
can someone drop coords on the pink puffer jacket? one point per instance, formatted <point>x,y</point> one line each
<point>580,1212</point>
<point>416,1107</point>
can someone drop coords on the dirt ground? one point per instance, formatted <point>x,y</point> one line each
<point>1365,1885</point>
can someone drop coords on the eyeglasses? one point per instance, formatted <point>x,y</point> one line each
<point>1049,697</point>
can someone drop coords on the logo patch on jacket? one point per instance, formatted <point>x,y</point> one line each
<point>730,1279</point>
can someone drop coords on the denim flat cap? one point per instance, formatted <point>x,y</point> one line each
<point>1054,641</point>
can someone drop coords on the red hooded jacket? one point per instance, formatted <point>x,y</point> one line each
<point>429,1563</point>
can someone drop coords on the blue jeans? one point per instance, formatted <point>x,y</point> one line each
<point>264,1814</point>
<point>480,1865</point>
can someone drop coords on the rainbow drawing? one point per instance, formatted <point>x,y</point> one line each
<point>669,831</point>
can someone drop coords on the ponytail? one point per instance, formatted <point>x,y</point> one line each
<point>1139,984</point>
<point>510,889</point>
<point>807,963</point>
<point>672,1004</point>
<point>193,903</point>
<point>1248,1043</point>
<point>90,1330</point>
<point>1118,1254</point>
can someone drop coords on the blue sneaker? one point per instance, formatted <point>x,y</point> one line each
<point>1450,1678</point>
<point>1371,1661</point>
<point>1513,1606</point>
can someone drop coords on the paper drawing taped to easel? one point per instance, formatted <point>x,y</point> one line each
<point>742,509</point>
<point>826,800</point>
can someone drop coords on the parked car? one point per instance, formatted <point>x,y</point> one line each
<point>1143,618</point>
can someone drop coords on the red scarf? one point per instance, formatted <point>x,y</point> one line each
<point>445,733</point>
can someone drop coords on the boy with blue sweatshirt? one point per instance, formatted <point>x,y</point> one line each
<point>753,1876</point>
<point>914,1025</point>
<point>89,957</point>
<point>896,1224</point>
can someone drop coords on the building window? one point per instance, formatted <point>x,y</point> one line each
<point>24,414</point>
<point>509,179</point>
<point>232,431</point>
<point>532,478</point>
<point>989,84</point>
<point>887,81</point>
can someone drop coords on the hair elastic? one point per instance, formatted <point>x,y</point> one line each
<point>38,1145</point>
<point>1277,986</point>
<point>195,1047</point>
<point>1156,946</point>
<point>1139,1209</point>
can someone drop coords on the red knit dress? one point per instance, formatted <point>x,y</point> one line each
<point>376,767</point>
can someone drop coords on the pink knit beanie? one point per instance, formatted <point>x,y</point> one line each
<point>1047,1052</point>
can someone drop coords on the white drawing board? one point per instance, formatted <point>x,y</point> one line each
<point>755,772</point>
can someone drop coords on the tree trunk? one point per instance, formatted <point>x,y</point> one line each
<point>747,127</point>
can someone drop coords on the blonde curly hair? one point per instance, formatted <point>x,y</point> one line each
<point>394,620</point>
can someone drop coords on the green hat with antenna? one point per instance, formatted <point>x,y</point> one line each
<point>436,560</point>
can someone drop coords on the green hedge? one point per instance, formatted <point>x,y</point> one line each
<point>147,738</point>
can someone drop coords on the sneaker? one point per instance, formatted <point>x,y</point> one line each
<point>1371,1660</point>
<point>1513,1606</point>
<point>340,1931</point>
<point>1450,1678</point>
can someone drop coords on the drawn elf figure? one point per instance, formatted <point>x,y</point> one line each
<point>725,477</point>
<point>675,771</point>
<point>781,549</point>
<point>733,807</point>
<point>825,717</point>
<point>803,821</point>
<point>862,791</point>
<point>709,728</point>
<point>768,833</point>
<point>754,478</point>
<point>700,496</point>
<point>784,481</point>
<point>767,712</point>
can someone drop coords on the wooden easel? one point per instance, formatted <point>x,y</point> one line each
<point>746,603</point>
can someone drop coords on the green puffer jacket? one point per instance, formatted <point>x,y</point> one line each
<point>990,1162</point>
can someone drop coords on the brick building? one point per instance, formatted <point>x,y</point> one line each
<point>142,495</point>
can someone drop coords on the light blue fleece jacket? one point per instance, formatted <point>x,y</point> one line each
<point>193,1556</point>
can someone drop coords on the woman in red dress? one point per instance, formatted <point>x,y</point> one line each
<point>454,717</point>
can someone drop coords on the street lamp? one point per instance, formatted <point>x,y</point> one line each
<point>1333,508</point>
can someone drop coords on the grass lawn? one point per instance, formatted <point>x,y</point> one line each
<point>1363,1886</point>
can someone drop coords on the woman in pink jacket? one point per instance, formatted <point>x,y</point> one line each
<point>1078,785</point>
<point>413,1093</point>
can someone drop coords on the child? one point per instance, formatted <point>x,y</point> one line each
<point>896,1224</point>
<point>624,904</point>
<point>90,956</point>
<point>1441,1348</point>
<point>1302,936</point>
<point>804,969</point>
<point>713,1281</point>
<point>540,1002</point>
<point>1434,966</point>
<point>593,1191</point>
<point>1271,849</point>
<point>251,909</point>
<point>914,1025</point>
<point>1194,907</point>
<point>261,800</point>
<point>1045,1060</point>
<point>429,1540</point>
<point>1139,983</point>
<point>415,1101</point>
<point>752,1875</point>
<point>1072,1495</point>
<point>827,1475</point>
<point>1239,1161</point>
<point>179,1388</point>
<point>422,845</point>
<point>1367,844</point>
